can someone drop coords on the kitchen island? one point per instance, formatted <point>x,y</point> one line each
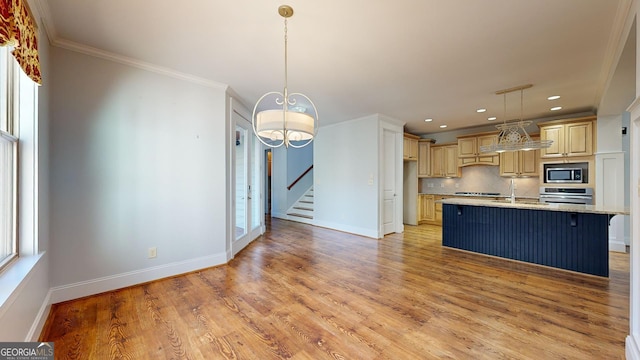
<point>566,236</point>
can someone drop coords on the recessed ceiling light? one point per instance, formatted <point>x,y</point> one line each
<point>556,108</point>
<point>443,126</point>
<point>481,110</point>
<point>428,120</point>
<point>492,118</point>
<point>554,97</point>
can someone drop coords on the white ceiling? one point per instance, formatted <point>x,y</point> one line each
<point>408,59</point>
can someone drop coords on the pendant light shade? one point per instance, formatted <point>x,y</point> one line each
<point>280,118</point>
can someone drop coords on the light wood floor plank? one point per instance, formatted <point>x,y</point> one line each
<point>304,292</point>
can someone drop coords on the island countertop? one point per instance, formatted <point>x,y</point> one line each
<point>532,205</point>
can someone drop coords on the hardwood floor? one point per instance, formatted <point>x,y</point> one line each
<point>303,292</point>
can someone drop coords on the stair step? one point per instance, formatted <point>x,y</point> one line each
<point>303,208</point>
<point>307,195</point>
<point>305,202</point>
<point>300,215</point>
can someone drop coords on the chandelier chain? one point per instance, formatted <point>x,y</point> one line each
<point>286,62</point>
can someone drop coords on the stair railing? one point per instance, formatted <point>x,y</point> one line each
<point>300,177</point>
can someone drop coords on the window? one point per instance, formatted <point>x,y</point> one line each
<point>8,156</point>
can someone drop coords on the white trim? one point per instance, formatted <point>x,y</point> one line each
<point>15,277</point>
<point>632,349</point>
<point>40,320</point>
<point>372,233</point>
<point>43,12</point>
<point>136,277</point>
<point>632,342</point>
<point>615,45</point>
<point>121,59</point>
<point>616,245</point>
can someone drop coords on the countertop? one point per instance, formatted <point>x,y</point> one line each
<point>477,195</point>
<point>531,205</point>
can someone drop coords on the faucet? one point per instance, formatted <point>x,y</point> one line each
<point>513,191</point>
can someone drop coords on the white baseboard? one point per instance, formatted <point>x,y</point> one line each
<point>372,233</point>
<point>632,348</point>
<point>617,246</point>
<point>109,283</point>
<point>41,319</point>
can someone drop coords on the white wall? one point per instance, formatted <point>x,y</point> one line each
<point>137,161</point>
<point>345,157</point>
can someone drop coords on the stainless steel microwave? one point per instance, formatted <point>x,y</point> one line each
<point>564,175</point>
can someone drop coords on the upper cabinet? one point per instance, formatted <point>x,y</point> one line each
<point>424,157</point>
<point>410,147</point>
<point>469,150</point>
<point>444,161</point>
<point>520,163</point>
<point>572,137</point>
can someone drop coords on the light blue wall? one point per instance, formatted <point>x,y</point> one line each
<point>346,157</point>
<point>137,161</point>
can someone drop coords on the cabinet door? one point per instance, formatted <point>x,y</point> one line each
<point>409,148</point>
<point>529,162</point>
<point>424,163</point>
<point>555,133</point>
<point>467,147</point>
<point>438,214</point>
<point>486,140</point>
<point>405,148</point>
<point>509,163</point>
<point>427,209</point>
<point>451,161</point>
<point>579,139</point>
<point>437,161</point>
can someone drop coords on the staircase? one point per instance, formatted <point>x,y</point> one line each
<point>302,210</point>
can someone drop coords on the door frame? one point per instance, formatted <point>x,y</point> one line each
<point>239,116</point>
<point>395,127</point>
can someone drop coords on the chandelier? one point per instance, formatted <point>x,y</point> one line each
<point>281,118</point>
<point>513,135</point>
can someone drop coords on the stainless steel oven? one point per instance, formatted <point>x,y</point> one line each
<point>558,195</point>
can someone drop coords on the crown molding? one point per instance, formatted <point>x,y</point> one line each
<point>106,55</point>
<point>622,23</point>
<point>41,11</point>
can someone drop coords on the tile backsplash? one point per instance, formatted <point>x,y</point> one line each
<point>480,179</point>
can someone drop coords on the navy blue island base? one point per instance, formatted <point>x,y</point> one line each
<point>566,240</point>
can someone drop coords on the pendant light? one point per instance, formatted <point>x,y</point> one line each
<point>281,118</point>
<point>513,135</point>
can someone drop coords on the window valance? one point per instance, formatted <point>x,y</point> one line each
<point>17,29</point>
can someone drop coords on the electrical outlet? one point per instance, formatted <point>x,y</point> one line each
<point>153,252</point>
<point>441,185</point>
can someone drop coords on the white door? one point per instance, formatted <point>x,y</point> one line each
<point>247,209</point>
<point>389,182</point>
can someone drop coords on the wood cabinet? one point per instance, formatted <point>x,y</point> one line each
<point>410,147</point>
<point>444,161</point>
<point>426,208</point>
<point>424,157</point>
<point>571,138</point>
<point>469,150</point>
<point>438,211</point>
<point>429,210</point>
<point>520,163</point>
